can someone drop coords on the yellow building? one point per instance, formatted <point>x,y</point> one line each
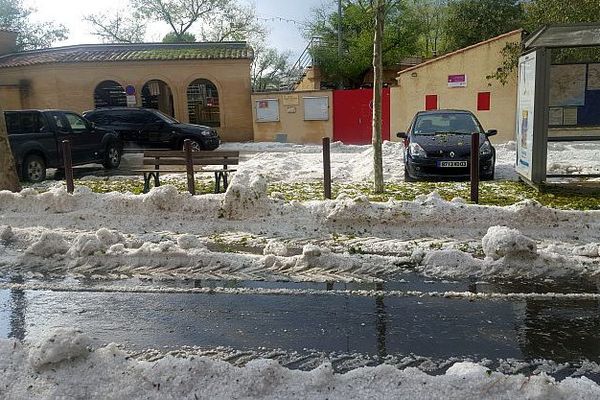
<point>459,80</point>
<point>204,83</point>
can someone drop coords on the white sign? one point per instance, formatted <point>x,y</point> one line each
<point>525,114</point>
<point>131,101</point>
<point>316,108</point>
<point>457,81</point>
<point>267,110</point>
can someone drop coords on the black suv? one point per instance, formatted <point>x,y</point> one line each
<point>147,127</point>
<point>36,137</point>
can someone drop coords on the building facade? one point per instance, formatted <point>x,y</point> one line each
<point>204,83</point>
<point>459,80</point>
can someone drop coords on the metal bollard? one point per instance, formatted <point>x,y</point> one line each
<point>189,166</point>
<point>327,167</point>
<point>68,164</point>
<point>475,168</point>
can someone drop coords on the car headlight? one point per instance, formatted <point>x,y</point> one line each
<point>485,149</point>
<point>207,133</point>
<point>416,150</point>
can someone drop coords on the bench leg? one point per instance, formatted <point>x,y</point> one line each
<point>217,182</point>
<point>225,183</point>
<point>147,177</point>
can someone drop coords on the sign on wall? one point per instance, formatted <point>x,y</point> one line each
<point>567,85</point>
<point>457,81</point>
<point>316,108</point>
<point>267,110</point>
<point>291,100</point>
<point>525,114</point>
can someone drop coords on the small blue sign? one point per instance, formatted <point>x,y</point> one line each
<point>130,90</point>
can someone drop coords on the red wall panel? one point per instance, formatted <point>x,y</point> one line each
<point>484,101</point>
<point>431,102</point>
<point>353,115</point>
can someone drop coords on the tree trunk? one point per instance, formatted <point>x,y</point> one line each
<point>9,180</point>
<point>377,89</point>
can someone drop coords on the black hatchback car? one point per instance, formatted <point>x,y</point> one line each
<point>438,145</point>
<point>147,127</point>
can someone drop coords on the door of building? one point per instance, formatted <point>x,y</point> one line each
<point>353,114</point>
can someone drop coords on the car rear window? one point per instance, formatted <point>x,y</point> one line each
<point>445,122</point>
<point>21,122</point>
<point>100,118</point>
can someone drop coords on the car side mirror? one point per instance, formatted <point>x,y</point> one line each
<point>401,135</point>
<point>491,132</point>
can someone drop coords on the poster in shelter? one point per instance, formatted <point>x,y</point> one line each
<point>567,85</point>
<point>593,82</point>
<point>525,114</point>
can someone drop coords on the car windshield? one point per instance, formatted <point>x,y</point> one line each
<point>166,118</point>
<point>429,124</point>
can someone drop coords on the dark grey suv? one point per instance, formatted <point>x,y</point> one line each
<point>147,127</point>
<point>36,137</point>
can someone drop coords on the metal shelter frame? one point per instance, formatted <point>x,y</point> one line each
<point>533,102</point>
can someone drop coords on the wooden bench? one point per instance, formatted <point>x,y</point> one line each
<point>174,161</point>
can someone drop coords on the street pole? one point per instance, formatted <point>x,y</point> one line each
<point>340,28</point>
<point>340,50</point>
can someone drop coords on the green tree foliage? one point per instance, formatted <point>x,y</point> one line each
<point>538,13</point>
<point>270,69</point>
<point>400,39</point>
<point>185,38</point>
<point>473,21</point>
<point>122,26</point>
<point>15,17</point>
<point>431,16</point>
<point>209,20</point>
<point>542,12</point>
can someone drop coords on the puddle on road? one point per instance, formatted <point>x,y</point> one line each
<point>560,330</point>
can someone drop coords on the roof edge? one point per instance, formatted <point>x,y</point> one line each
<point>459,51</point>
<point>117,45</point>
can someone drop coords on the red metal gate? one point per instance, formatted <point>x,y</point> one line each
<point>353,115</point>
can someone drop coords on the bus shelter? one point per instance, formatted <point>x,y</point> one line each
<point>558,91</point>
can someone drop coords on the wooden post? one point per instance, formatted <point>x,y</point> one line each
<point>189,166</point>
<point>68,164</point>
<point>327,167</point>
<point>379,186</point>
<point>475,168</point>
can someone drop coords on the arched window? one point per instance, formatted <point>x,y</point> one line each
<point>157,94</point>
<point>109,94</point>
<point>203,103</point>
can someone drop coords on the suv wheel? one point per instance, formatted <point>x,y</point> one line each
<point>34,168</point>
<point>196,145</point>
<point>112,158</point>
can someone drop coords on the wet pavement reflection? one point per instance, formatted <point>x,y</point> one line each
<point>442,328</point>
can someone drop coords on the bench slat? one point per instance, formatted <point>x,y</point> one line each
<point>182,171</point>
<point>196,161</point>
<point>195,154</point>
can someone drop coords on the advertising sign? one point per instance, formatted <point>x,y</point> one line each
<point>525,114</point>
<point>457,81</point>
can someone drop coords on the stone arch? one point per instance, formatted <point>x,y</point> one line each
<point>157,94</point>
<point>203,102</point>
<point>109,93</point>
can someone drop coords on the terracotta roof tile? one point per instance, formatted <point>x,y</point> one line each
<point>129,52</point>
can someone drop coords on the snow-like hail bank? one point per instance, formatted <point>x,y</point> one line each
<point>176,234</point>
<point>66,365</point>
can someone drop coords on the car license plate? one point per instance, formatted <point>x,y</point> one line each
<point>452,164</point>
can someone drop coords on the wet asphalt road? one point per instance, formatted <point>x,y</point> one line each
<point>551,329</point>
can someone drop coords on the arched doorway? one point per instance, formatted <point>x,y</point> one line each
<point>109,94</point>
<point>157,94</point>
<point>203,103</point>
